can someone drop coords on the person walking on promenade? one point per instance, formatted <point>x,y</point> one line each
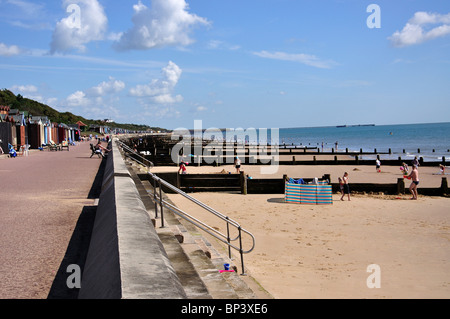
<point>346,186</point>
<point>414,176</point>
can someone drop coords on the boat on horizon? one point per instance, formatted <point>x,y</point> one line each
<point>358,125</point>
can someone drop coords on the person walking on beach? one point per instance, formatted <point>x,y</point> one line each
<point>378,165</point>
<point>414,176</point>
<point>346,186</point>
<point>415,161</point>
<point>237,164</point>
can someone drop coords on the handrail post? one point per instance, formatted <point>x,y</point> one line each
<point>161,204</point>
<point>241,251</point>
<point>154,198</point>
<point>228,237</point>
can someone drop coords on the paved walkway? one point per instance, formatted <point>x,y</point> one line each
<point>41,199</point>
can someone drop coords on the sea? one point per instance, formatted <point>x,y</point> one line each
<point>431,141</point>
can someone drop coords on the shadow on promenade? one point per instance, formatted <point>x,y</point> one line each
<point>78,247</point>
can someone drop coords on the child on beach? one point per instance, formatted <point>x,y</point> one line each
<point>405,169</point>
<point>378,165</point>
<point>346,186</point>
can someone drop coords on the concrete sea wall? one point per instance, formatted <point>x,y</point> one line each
<point>126,259</point>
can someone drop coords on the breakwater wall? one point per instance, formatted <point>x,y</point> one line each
<point>126,259</point>
<point>239,183</point>
<point>161,150</point>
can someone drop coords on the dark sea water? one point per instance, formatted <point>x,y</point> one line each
<point>433,140</point>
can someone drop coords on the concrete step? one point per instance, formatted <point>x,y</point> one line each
<point>186,245</point>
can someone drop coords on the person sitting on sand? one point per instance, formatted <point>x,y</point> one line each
<point>442,169</point>
<point>414,176</point>
<point>346,186</point>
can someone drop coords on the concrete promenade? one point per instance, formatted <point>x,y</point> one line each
<point>42,197</point>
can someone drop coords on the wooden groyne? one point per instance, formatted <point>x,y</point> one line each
<point>240,183</point>
<point>160,148</point>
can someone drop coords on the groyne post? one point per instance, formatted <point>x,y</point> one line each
<point>243,182</point>
<point>444,186</point>
<point>400,186</point>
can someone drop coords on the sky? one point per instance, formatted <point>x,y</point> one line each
<point>231,64</point>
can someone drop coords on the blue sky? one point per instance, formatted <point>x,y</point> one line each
<point>252,63</point>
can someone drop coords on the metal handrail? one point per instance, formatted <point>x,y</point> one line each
<point>127,148</point>
<point>225,238</point>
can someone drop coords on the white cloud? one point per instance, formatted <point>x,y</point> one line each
<point>307,59</point>
<point>201,109</point>
<point>160,90</point>
<point>77,99</point>
<point>25,14</point>
<point>221,45</point>
<point>417,29</point>
<point>110,87</point>
<point>167,22</point>
<point>24,88</point>
<point>9,50</point>
<point>79,28</point>
<point>93,97</point>
<point>27,8</point>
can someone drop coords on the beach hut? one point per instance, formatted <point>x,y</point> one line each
<point>37,131</point>
<point>5,128</point>
<point>19,131</point>
<point>63,132</point>
<point>81,126</point>
<point>75,132</point>
<point>54,133</point>
<point>46,123</point>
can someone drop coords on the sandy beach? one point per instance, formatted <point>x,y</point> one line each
<point>310,251</point>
